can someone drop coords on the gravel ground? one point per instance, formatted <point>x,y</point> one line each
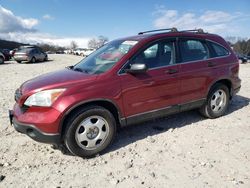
<point>183,150</point>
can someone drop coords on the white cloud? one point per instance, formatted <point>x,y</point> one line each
<point>12,23</point>
<point>211,20</point>
<point>216,17</point>
<point>48,17</point>
<point>15,28</point>
<point>37,37</point>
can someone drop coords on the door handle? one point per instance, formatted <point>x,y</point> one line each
<point>171,71</point>
<point>211,64</point>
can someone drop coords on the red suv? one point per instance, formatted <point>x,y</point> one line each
<point>127,81</point>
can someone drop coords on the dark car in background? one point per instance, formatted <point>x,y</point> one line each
<point>242,58</point>
<point>30,54</point>
<point>1,58</point>
<point>6,53</point>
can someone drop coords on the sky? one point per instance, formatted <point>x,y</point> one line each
<point>62,21</point>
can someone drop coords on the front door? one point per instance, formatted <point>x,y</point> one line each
<point>156,89</point>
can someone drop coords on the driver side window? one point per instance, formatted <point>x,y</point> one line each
<point>158,54</point>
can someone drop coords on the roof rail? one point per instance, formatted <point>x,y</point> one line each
<point>194,30</point>
<point>173,29</point>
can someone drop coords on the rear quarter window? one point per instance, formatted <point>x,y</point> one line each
<point>193,50</point>
<point>219,50</point>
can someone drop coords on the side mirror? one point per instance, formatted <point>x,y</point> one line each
<point>137,68</point>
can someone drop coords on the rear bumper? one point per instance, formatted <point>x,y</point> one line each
<point>236,88</point>
<point>33,132</point>
<point>22,58</point>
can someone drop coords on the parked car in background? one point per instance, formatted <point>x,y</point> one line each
<point>248,58</point>
<point>86,52</point>
<point>242,58</point>
<point>30,54</point>
<point>78,51</point>
<point>68,51</point>
<point>59,52</point>
<point>12,52</point>
<point>2,58</point>
<point>6,53</point>
<point>50,52</point>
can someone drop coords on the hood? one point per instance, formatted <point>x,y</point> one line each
<point>62,78</point>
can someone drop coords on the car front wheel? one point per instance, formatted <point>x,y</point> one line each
<point>1,60</point>
<point>217,102</point>
<point>90,131</point>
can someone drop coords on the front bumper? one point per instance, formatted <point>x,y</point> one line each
<point>34,132</point>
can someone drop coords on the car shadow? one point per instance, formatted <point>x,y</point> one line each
<point>26,62</point>
<point>133,133</point>
<point>5,63</point>
<point>40,62</point>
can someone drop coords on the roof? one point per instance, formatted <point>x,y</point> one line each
<point>171,32</point>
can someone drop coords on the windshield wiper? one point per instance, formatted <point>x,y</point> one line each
<point>69,67</point>
<point>80,70</point>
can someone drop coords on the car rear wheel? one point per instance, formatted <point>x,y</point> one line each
<point>217,102</point>
<point>90,131</point>
<point>33,60</point>
<point>1,60</point>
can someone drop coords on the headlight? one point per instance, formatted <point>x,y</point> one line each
<point>44,98</point>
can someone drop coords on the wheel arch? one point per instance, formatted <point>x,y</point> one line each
<point>226,82</point>
<point>105,103</point>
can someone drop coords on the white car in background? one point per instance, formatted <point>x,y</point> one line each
<point>83,51</point>
<point>87,52</point>
<point>78,51</point>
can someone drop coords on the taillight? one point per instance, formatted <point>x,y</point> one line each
<point>235,69</point>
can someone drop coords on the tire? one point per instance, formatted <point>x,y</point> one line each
<point>19,61</point>
<point>46,58</point>
<point>217,102</point>
<point>90,131</point>
<point>33,60</point>
<point>1,60</point>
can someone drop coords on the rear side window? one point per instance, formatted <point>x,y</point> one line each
<point>219,50</point>
<point>193,50</point>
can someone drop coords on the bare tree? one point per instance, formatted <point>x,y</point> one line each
<point>93,43</point>
<point>102,40</point>
<point>97,43</point>
<point>242,47</point>
<point>73,44</point>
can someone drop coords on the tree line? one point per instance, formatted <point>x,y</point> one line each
<point>239,45</point>
<point>242,47</point>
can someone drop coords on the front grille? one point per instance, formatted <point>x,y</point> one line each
<point>18,94</point>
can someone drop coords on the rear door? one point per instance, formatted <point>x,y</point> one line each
<point>155,89</point>
<point>40,55</point>
<point>195,69</point>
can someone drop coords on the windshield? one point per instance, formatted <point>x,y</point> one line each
<point>105,57</point>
